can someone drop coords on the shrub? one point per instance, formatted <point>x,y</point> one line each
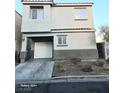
<point>105,68</point>
<point>107,61</point>
<point>100,63</point>
<point>61,66</point>
<point>87,68</point>
<point>76,60</point>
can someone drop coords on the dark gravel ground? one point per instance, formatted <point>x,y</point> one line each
<point>67,67</point>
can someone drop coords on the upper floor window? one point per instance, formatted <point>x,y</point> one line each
<point>37,12</point>
<point>80,13</point>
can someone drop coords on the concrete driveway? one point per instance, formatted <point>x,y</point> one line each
<point>37,69</point>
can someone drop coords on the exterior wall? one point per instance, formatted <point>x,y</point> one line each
<point>80,40</point>
<point>18,20</point>
<point>23,54</point>
<point>64,17</point>
<point>77,41</point>
<point>55,18</point>
<point>35,25</point>
<point>80,53</point>
<point>80,45</point>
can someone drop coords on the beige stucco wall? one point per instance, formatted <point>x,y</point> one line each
<point>55,18</point>
<point>35,25</point>
<point>64,17</point>
<point>76,41</point>
<point>18,20</point>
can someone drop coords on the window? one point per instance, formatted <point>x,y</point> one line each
<point>37,12</point>
<point>62,40</point>
<point>80,14</point>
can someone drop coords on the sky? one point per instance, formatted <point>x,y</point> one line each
<point>100,10</point>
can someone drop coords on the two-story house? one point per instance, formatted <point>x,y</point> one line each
<point>57,30</point>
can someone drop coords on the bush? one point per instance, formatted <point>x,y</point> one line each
<point>107,60</point>
<point>76,60</point>
<point>105,68</point>
<point>100,63</point>
<point>61,66</point>
<point>87,68</point>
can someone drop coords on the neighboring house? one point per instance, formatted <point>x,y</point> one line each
<point>103,47</point>
<point>18,20</point>
<point>106,51</point>
<point>57,30</point>
<point>99,39</point>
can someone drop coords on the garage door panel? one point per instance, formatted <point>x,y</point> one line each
<point>43,50</point>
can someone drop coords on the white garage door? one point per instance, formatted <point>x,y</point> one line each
<point>43,50</point>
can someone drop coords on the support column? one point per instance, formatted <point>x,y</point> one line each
<point>23,53</point>
<point>32,49</point>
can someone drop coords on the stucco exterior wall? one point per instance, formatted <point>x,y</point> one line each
<point>80,44</point>
<point>64,17</point>
<point>76,41</point>
<point>55,18</point>
<point>35,25</point>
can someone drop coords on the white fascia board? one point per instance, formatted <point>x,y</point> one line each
<point>90,3</point>
<point>74,31</point>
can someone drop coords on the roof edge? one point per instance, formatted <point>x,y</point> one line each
<point>18,13</point>
<point>76,3</point>
<point>61,4</point>
<point>73,4</point>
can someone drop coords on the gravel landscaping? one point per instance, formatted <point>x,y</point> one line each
<point>80,67</point>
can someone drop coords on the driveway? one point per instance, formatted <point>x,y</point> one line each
<point>37,69</point>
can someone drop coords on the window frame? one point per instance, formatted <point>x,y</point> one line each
<point>84,17</point>
<point>36,8</point>
<point>62,40</point>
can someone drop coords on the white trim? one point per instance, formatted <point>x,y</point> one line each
<point>52,34</point>
<point>90,3</point>
<point>59,31</point>
<point>74,31</point>
<point>37,2</point>
<point>58,4</point>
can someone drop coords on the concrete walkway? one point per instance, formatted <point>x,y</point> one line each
<point>37,69</point>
